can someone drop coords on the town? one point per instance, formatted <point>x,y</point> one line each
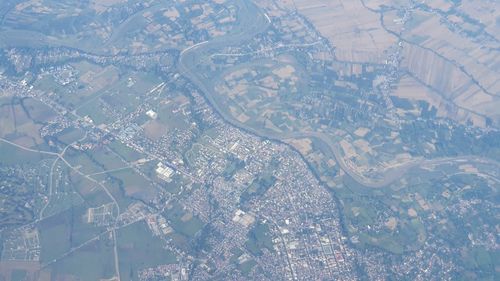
<point>236,140</point>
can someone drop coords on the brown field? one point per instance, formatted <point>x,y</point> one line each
<point>97,80</point>
<point>354,30</point>
<point>477,58</point>
<point>409,88</point>
<point>154,130</point>
<point>101,6</point>
<point>303,145</point>
<point>462,68</point>
<point>468,62</point>
<point>451,83</point>
<point>485,10</point>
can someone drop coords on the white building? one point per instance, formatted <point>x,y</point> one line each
<point>151,114</point>
<point>164,172</point>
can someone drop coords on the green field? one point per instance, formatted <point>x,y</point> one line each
<point>259,238</point>
<point>124,151</point>
<point>12,155</point>
<point>138,249</point>
<point>128,185</point>
<point>92,262</point>
<point>70,135</point>
<point>108,160</point>
<point>61,232</point>
<point>183,223</point>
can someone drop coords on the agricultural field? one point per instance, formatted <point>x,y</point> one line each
<point>249,140</point>
<point>355,31</point>
<point>140,250</point>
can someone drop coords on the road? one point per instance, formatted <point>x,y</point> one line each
<point>60,156</point>
<point>257,22</point>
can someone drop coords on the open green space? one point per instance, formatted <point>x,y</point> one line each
<point>183,222</point>
<point>64,231</point>
<point>138,249</point>
<point>82,161</point>
<point>124,151</point>
<point>12,155</point>
<point>246,267</point>
<point>94,261</point>
<point>259,237</point>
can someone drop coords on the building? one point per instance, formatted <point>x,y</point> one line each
<point>151,114</point>
<point>164,172</point>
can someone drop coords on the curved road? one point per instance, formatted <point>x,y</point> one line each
<point>253,21</point>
